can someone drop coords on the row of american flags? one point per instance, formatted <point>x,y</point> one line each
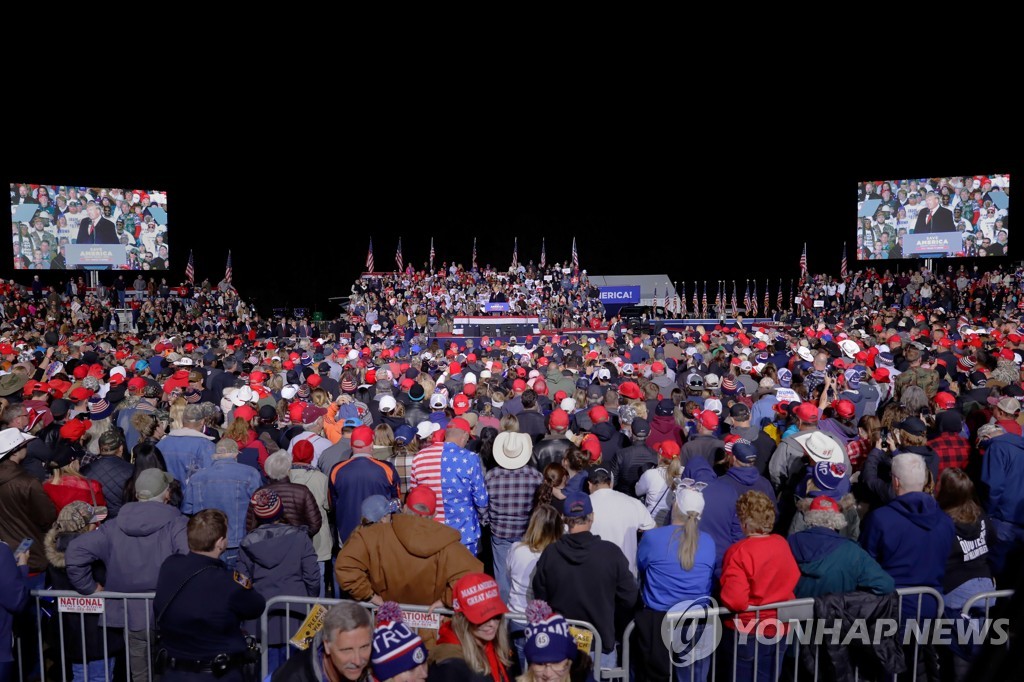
<point>400,260</point>
<point>190,269</point>
<point>675,301</point>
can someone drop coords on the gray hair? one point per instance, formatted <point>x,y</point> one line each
<point>226,447</point>
<point>914,399</point>
<point>278,465</point>
<point>345,616</point>
<point>911,470</point>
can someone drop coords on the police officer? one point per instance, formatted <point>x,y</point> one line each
<point>199,604</point>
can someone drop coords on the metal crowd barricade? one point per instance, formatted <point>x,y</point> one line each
<point>987,598</point>
<point>58,649</point>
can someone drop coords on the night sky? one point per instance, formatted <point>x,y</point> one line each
<point>727,204</point>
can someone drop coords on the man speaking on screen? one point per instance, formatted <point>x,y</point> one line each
<point>935,218</point>
<point>96,229</point>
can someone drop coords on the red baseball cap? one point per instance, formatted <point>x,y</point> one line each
<point>80,394</point>
<point>518,386</point>
<point>669,448</point>
<point>422,500</point>
<point>881,375</point>
<point>807,412</point>
<point>944,400</point>
<point>559,418</point>
<point>476,597</point>
<point>244,412</point>
<point>460,403</point>
<point>592,446</point>
<point>302,452</point>
<point>314,380</point>
<point>460,424</point>
<point>598,414</point>
<point>708,419</point>
<point>844,408</point>
<point>362,437</point>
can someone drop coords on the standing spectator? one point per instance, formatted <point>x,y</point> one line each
<point>111,470</point>
<point>200,605</point>
<point>705,443</point>
<point>188,449</point>
<point>952,449</point>
<point>299,505</point>
<point>967,569</point>
<point>1002,470</point>
<point>618,518</point>
<point>304,473</point>
<point>676,565</point>
<point>656,486</point>
<point>132,547</point>
<point>456,476</point>
<point>585,577</point>
<point>552,447</point>
<point>67,484</point>
<point>280,560</point>
<point>510,489</point>
<point>399,654</point>
<point>473,646</point>
<point>356,479</point>
<point>101,644</point>
<point>551,650</point>
<point>544,529</point>
<point>26,511</point>
<point>759,569</point>
<point>829,562</point>
<point>412,560</point>
<point>663,426</point>
<point>225,485</point>
<point>628,464</point>
<point>13,599</point>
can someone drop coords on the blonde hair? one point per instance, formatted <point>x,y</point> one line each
<point>690,534</point>
<point>756,512</point>
<point>320,397</point>
<point>473,652</point>
<point>177,411</point>
<point>145,423</point>
<point>673,468</point>
<point>383,435</point>
<point>510,423</point>
<point>238,430</point>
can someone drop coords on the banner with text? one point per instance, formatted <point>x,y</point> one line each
<point>944,243</point>
<point>96,254</point>
<point>620,295</point>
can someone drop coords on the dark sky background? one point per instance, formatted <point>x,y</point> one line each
<point>699,201</point>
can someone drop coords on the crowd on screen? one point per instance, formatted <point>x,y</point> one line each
<point>975,206</point>
<point>77,215</point>
<point>870,444</point>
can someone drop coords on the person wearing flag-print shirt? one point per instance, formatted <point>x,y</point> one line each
<point>457,477</point>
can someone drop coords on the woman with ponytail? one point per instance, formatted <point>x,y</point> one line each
<point>676,565</point>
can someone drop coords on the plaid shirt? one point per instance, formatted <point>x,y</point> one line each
<point>858,452</point>
<point>952,449</point>
<point>511,499</point>
<point>403,463</point>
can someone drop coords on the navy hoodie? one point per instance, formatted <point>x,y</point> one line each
<point>719,519</point>
<point>911,538</point>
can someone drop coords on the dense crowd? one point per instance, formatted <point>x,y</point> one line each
<point>426,301</point>
<point>59,216</point>
<point>868,445</point>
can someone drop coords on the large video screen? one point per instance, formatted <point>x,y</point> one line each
<point>59,227</point>
<point>953,217</point>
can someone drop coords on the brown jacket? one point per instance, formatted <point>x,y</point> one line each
<point>411,560</point>
<point>300,507</point>
<point>25,512</point>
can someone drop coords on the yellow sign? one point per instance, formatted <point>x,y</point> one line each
<point>307,631</point>
<point>584,638</point>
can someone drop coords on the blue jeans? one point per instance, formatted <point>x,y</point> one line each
<point>517,633</point>
<point>748,651</point>
<point>1008,537</point>
<point>500,548</point>
<point>95,671</point>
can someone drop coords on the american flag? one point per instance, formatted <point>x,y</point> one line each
<point>227,271</point>
<point>718,298</point>
<point>431,254</point>
<point>696,303</point>
<point>575,255</point>
<point>664,300</point>
<point>704,301</point>
<point>654,300</point>
<point>515,254</point>
<point>474,252</point>
<point>735,302</point>
<point>803,261</point>
<point>746,299</point>
<point>842,263</point>
<point>543,254</point>
<point>683,299</point>
<point>753,301</point>
<point>398,256</point>
<point>778,300</point>
<point>190,269</point>
<point>767,297</point>
<point>369,257</point>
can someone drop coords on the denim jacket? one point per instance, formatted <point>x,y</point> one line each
<point>225,485</point>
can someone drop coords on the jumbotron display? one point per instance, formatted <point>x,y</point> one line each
<point>58,227</point>
<point>952,217</point>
